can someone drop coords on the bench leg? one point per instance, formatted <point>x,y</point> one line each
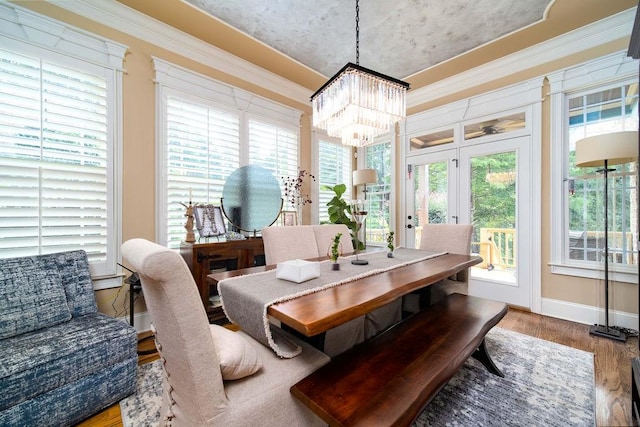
<point>483,357</point>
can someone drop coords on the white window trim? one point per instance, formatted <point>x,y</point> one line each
<point>595,73</point>
<point>25,31</point>
<point>172,78</point>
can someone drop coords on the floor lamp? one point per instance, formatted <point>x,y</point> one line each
<point>604,151</point>
<point>364,177</point>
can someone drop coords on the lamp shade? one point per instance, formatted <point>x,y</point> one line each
<point>616,148</point>
<point>365,176</point>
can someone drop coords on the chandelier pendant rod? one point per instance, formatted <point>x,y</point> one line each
<point>357,32</point>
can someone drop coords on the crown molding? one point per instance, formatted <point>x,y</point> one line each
<point>598,33</point>
<point>136,24</point>
<point>143,27</point>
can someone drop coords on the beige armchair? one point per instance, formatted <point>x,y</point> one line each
<point>196,391</point>
<point>451,238</point>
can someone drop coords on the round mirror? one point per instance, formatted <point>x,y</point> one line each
<point>251,198</point>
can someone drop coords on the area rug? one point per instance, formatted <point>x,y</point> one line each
<point>545,384</point>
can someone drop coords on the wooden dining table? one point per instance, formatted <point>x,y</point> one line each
<point>313,314</point>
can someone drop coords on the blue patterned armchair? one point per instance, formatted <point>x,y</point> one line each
<point>60,359</point>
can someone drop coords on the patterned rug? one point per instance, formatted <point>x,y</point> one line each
<point>545,384</point>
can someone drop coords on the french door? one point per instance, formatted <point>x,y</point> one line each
<point>486,185</point>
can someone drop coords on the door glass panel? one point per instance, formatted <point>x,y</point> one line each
<point>431,140</point>
<point>503,124</point>
<point>431,196</point>
<point>493,215</point>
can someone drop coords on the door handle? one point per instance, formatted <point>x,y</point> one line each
<point>455,217</point>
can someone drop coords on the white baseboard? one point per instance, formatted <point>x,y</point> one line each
<point>141,321</point>
<point>587,314</point>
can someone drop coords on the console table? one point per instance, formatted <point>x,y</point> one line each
<point>206,258</point>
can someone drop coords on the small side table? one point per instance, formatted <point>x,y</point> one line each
<point>635,388</point>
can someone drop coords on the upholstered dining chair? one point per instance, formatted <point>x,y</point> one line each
<point>300,242</point>
<point>325,234</point>
<point>287,243</point>
<point>214,376</point>
<point>451,238</point>
<point>379,319</point>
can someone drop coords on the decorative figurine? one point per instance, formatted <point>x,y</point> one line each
<point>191,236</point>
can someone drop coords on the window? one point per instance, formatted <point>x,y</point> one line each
<point>203,136</point>
<point>596,112</point>
<point>378,195</point>
<point>334,167</point>
<point>58,172</point>
<point>594,98</point>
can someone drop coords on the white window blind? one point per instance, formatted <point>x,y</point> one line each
<point>207,129</point>
<point>334,166</point>
<point>275,148</point>
<point>54,190</point>
<point>203,149</point>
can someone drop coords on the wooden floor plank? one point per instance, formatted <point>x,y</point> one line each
<point>612,365</point>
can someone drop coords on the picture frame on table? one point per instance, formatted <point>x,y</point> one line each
<point>209,220</point>
<point>288,218</point>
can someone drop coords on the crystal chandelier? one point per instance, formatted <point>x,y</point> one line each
<point>358,104</point>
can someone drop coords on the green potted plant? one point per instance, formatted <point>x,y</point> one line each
<point>335,251</point>
<point>340,212</point>
<point>390,246</point>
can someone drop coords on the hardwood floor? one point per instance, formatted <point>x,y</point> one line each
<point>612,365</point>
<point>612,361</point>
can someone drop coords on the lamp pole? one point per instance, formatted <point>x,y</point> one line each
<point>606,331</point>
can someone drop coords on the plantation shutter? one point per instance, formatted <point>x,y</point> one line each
<point>274,147</point>
<point>334,165</point>
<point>203,149</point>
<point>54,192</point>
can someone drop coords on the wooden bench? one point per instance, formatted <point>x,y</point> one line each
<point>389,379</point>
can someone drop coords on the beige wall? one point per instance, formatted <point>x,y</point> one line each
<point>139,128</point>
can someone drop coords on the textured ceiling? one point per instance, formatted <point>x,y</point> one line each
<point>397,37</point>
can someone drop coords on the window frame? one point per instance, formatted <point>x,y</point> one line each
<point>173,80</point>
<point>28,33</point>
<point>614,69</point>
